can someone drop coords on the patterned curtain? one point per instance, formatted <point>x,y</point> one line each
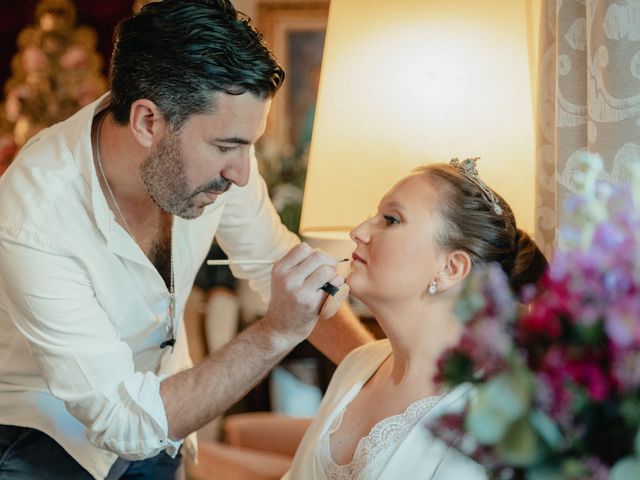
<point>588,98</point>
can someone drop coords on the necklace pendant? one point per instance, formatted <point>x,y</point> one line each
<point>171,312</point>
<point>171,341</point>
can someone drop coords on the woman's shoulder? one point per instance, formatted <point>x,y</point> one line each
<point>360,363</point>
<point>376,350</point>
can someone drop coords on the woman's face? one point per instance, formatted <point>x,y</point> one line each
<point>396,254</point>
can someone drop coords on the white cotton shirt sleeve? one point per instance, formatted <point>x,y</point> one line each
<point>82,359</point>
<point>251,228</point>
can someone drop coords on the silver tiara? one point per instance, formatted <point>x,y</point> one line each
<point>467,167</point>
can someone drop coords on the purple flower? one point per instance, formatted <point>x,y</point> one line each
<point>622,322</point>
<point>579,339</point>
<point>626,369</point>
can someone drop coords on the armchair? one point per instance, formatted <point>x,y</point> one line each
<point>256,446</point>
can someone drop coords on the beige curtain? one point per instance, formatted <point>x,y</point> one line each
<point>588,98</point>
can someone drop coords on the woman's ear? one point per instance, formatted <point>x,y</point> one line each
<point>146,121</point>
<point>458,266</point>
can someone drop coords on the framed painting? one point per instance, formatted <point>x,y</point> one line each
<point>295,31</point>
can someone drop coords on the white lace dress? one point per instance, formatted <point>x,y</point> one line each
<point>373,451</point>
<point>398,447</point>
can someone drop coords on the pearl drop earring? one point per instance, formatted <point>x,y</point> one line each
<point>433,288</point>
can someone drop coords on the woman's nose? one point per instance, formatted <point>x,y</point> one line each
<point>360,234</point>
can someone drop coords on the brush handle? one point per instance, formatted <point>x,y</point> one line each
<point>242,261</point>
<point>332,303</point>
<point>250,261</point>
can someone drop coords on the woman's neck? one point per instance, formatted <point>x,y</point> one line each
<point>419,333</point>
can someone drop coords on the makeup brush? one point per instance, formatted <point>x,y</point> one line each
<point>250,261</point>
<point>336,296</point>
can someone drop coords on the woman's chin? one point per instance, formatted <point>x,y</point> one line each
<point>353,287</point>
<point>349,281</point>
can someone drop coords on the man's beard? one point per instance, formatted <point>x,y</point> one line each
<point>163,173</point>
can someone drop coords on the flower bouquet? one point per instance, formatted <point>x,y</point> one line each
<point>557,383</point>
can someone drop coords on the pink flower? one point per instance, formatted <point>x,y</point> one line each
<point>553,397</point>
<point>625,369</point>
<point>598,470</point>
<point>34,59</point>
<point>622,322</point>
<point>75,57</point>
<point>87,92</point>
<point>542,324</point>
<point>7,150</point>
<point>580,340</point>
<point>13,104</point>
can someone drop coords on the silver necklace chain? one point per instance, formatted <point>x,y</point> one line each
<point>172,296</point>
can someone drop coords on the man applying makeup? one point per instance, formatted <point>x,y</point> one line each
<point>106,218</point>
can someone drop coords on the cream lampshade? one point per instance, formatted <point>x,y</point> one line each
<point>410,82</point>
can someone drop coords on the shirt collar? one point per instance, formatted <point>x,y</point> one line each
<point>81,144</point>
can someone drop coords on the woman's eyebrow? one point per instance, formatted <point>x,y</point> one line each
<point>394,205</point>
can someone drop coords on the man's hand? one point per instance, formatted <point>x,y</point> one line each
<point>195,396</point>
<point>296,297</point>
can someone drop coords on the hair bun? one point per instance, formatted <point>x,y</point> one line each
<point>529,263</point>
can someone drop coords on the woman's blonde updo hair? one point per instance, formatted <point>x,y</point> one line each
<point>470,222</point>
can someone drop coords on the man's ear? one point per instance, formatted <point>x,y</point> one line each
<point>458,266</point>
<point>146,121</point>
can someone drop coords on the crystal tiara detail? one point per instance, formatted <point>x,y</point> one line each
<point>467,167</point>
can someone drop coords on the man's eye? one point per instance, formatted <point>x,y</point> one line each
<point>224,149</point>
<point>390,220</point>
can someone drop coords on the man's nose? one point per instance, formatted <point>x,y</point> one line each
<point>238,169</point>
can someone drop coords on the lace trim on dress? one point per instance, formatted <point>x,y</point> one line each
<point>373,451</point>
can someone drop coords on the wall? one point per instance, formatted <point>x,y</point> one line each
<point>103,16</point>
<point>250,7</point>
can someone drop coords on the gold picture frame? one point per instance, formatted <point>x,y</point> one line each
<point>295,32</point>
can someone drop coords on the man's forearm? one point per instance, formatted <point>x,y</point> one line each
<point>195,396</point>
<point>337,336</point>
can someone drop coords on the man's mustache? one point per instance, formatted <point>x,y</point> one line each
<point>217,185</point>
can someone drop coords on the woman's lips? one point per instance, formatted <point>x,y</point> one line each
<point>357,258</point>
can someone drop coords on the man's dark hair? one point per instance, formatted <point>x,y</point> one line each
<point>177,53</point>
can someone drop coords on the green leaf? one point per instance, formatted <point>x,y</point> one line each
<point>498,403</point>
<point>521,446</point>
<point>572,468</point>
<point>630,411</point>
<point>589,334</point>
<point>457,368</point>
<point>626,469</point>
<point>544,472</point>
<point>546,428</point>
<point>486,425</point>
<point>468,304</point>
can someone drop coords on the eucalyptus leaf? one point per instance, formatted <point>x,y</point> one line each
<point>544,472</point>
<point>573,468</point>
<point>468,304</point>
<point>630,411</point>
<point>498,403</point>
<point>485,425</point>
<point>626,469</point>
<point>521,446</point>
<point>546,428</point>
